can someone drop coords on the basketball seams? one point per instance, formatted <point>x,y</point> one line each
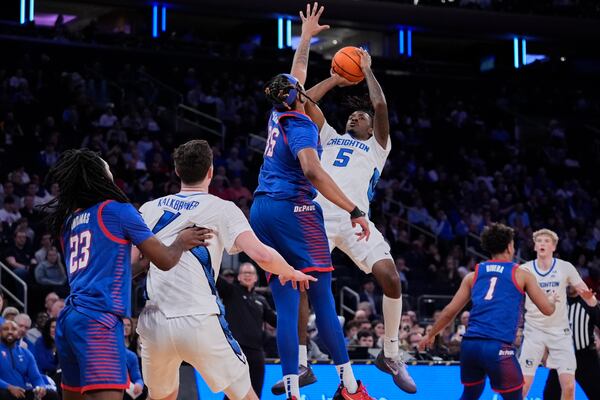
<point>337,66</point>
<point>352,59</point>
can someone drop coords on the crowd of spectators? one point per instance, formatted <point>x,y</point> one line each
<point>462,157</point>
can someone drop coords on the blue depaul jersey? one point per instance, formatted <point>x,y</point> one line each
<point>97,248</point>
<point>281,175</point>
<point>497,302</point>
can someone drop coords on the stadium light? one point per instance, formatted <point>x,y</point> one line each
<point>155,21</point>
<point>22,15</point>
<point>164,19</point>
<point>280,33</point>
<point>409,43</point>
<point>516,51</point>
<point>524,51</point>
<point>401,41</point>
<point>31,10</point>
<point>288,37</point>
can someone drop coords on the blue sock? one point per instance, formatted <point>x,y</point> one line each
<point>321,299</point>
<point>287,301</point>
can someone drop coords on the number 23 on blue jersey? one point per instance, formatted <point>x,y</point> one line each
<point>343,158</point>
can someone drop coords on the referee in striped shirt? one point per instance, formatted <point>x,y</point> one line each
<point>583,318</point>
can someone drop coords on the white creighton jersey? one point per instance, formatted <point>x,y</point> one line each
<point>555,280</point>
<point>355,165</point>
<point>189,287</point>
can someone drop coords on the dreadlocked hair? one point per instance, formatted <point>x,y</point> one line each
<point>359,103</point>
<point>277,90</point>
<point>83,182</point>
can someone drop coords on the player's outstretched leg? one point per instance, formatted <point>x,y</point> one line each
<point>388,359</point>
<point>329,327</point>
<point>307,376</point>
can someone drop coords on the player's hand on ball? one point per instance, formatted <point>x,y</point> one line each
<point>365,60</point>
<point>299,279</point>
<point>310,22</point>
<point>340,80</point>
<point>364,224</point>
<point>194,237</point>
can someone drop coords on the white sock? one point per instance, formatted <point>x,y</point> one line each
<point>290,382</point>
<point>303,355</point>
<point>392,314</point>
<point>347,377</point>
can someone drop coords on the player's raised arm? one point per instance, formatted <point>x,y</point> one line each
<point>310,28</point>
<point>459,301</point>
<point>538,297</point>
<point>166,257</point>
<point>270,260</point>
<point>381,123</point>
<point>314,172</point>
<point>318,91</point>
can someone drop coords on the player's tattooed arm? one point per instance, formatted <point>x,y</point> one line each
<point>381,123</point>
<point>449,313</point>
<point>310,28</point>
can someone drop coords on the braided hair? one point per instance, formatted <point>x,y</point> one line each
<point>277,91</point>
<point>83,181</point>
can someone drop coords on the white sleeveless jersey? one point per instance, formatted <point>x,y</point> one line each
<point>555,280</point>
<point>355,165</point>
<point>189,287</point>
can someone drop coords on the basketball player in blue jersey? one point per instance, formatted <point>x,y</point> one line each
<point>497,291</point>
<point>97,227</point>
<point>285,216</point>
<point>355,160</point>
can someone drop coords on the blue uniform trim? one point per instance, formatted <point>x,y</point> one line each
<point>372,183</point>
<point>550,270</point>
<point>185,196</point>
<point>203,256</point>
<point>165,219</point>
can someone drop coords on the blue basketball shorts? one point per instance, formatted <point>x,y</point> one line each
<point>295,229</point>
<point>91,351</point>
<point>497,360</point>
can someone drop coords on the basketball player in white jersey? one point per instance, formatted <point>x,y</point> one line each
<point>184,318</point>
<point>355,161</point>
<point>551,333</point>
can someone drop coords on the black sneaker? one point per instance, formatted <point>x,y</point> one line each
<point>306,377</point>
<point>397,369</point>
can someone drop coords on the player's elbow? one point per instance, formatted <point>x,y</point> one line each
<point>380,106</point>
<point>311,173</point>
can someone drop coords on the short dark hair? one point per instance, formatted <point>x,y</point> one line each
<point>193,160</point>
<point>495,238</point>
<point>364,333</point>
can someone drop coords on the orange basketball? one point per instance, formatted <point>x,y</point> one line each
<point>346,63</point>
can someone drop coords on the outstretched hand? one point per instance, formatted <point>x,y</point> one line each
<point>426,342</point>
<point>589,296</point>
<point>297,277</point>
<point>310,22</point>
